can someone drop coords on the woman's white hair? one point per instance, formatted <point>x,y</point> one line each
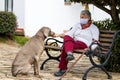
<point>86,12</point>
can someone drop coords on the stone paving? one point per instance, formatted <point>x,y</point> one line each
<point>9,50</point>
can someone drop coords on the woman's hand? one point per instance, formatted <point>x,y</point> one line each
<point>95,40</point>
<point>59,35</point>
<point>56,35</point>
<point>64,31</point>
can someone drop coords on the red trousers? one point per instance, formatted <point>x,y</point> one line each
<point>69,45</point>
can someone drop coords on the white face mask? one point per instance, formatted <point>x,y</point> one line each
<point>84,21</point>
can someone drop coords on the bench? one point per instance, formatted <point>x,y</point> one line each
<point>19,32</point>
<point>103,50</point>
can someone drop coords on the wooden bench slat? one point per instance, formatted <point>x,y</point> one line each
<point>52,47</point>
<point>59,48</point>
<point>104,52</point>
<point>106,35</point>
<point>75,51</point>
<point>107,31</point>
<point>106,44</point>
<point>78,51</point>
<point>107,40</point>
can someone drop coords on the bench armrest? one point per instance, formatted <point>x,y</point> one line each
<point>100,51</point>
<point>53,42</point>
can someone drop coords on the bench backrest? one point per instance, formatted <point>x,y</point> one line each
<point>106,38</point>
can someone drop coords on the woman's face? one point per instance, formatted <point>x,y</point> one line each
<point>84,19</point>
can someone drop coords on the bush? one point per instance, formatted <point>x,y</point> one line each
<point>7,23</point>
<point>113,64</point>
<point>107,25</point>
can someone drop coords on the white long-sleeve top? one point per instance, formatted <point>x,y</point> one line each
<point>85,35</point>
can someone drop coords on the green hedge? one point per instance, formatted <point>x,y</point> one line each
<point>107,25</point>
<point>113,64</point>
<point>7,23</point>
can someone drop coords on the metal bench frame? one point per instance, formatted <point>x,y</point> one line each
<point>104,50</point>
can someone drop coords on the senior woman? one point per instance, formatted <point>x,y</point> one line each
<point>79,37</point>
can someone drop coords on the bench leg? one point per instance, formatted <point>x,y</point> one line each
<point>42,65</point>
<point>49,58</point>
<point>109,76</point>
<point>85,74</point>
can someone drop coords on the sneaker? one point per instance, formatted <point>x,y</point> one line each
<point>59,73</point>
<point>69,56</point>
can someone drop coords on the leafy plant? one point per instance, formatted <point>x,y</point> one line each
<point>114,61</point>
<point>7,23</point>
<point>106,25</point>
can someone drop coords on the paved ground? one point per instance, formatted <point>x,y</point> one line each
<point>9,50</point>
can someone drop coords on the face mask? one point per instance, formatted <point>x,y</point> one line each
<point>84,21</point>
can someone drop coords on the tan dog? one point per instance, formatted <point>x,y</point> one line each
<point>30,53</point>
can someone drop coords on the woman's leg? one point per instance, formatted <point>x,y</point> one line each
<point>67,46</point>
<point>63,62</point>
<point>79,45</point>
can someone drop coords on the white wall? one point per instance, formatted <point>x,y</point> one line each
<point>33,14</point>
<point>2,5</point>
<point>19,10</point>
<point>51,13</point>
<point>56,15</point>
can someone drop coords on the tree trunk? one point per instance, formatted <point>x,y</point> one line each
<point>115,16</point>
<point>114,13</point>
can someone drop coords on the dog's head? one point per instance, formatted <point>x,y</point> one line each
<point>46,31</point>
